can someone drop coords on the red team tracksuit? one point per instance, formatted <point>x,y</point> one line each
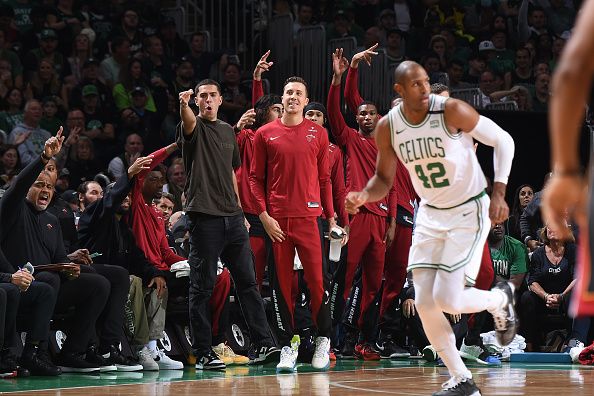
<point>245,141</point>
<point>290,179</point>
<point>149,230</point>
<point>368,227</point>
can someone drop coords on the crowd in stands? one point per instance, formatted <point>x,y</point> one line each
<point>89,89</point>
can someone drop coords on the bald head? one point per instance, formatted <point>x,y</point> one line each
<point>403,69</point>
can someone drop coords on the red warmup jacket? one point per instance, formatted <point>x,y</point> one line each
<point>290,175</point>
<point>335,163</point>
<point>405,191</point>
<point>245,141</point>
<point>147,224</point>
<point>361,156</point>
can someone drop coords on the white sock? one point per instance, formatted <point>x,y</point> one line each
<point>152,346</point>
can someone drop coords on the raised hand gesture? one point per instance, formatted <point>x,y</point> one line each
<point>364,55</point>
<point>184,97</point>
<point>340,64</point>
<point>248,118</point>
<point>139,164</point>
<point>262,66</point>
<point>53,145</point>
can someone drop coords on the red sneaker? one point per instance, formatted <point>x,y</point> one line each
<point>366,352</point>
<point>332,356</point>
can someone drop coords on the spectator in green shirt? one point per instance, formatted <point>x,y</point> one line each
<point>510,257</point>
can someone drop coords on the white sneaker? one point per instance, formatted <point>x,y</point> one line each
<point>321,357</point>
<point>165,362</point>
<point>288,360</point>
<point>147,361</point>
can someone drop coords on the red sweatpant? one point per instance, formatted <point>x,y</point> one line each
<point>395,266</point>
<point>367,248</point>
<point>484,279</point>
<point>220,292</point>
<point>303,234</point>
<point>258,245</point>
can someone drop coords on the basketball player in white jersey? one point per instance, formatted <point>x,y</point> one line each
<point>433,137</point>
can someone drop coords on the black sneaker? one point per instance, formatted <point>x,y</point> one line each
<point>94,357</point>
<point>210,361</point>
<point>75,363</point>
<point>459,387</point>
<point>348,348</point>
<point>506,322</point>
<point>259,354</point>
<point>389,350</point>
<point>122,363</point>
<point>36,361</point>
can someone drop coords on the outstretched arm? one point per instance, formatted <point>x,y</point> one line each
<point>351,88</point>
<point>381,183</point>
<point>262,66</point>
<point>338,126</point>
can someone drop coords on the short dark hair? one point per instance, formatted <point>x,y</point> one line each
<point>366,103</point>
<point>438,88</point>
<point>208,81</point>
<point>83,187</point>
<point>165,195</point>
<point>201,34</point>
<point>296,80</point>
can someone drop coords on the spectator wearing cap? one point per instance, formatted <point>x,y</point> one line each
<point>184,77</point>
<point>70,197</point>
<point>129,28</point>
<point>90,76</point>
<point>48,44</point>
<point>81,51</point>
<point>343,25</point>
<point>67,22</point>
<point>16,68</point>
<point>386,22</point>
<point>174,47</point>
<point>50,120</point>
<point>395,47</point>
<point>112,66</point>
<point>132,80</point>
<point>202,60</point>
<point>28,134</point>
<point>62,186</point>
<point>45,82</point>
<point>99,123</point>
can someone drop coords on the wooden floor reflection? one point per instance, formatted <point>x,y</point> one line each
<point>366,379</point>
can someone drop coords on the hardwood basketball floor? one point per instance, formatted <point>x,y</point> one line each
<point>404,377</point>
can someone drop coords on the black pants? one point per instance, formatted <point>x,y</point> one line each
<point>87,294</point>
<point>9,304</point>
<point>35,311</point>
<point>111,321</point>
<point>212,237</point>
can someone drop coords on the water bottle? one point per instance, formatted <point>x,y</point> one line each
<point>336,235</point>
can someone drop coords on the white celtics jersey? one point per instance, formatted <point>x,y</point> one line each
<point>443,166</point>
